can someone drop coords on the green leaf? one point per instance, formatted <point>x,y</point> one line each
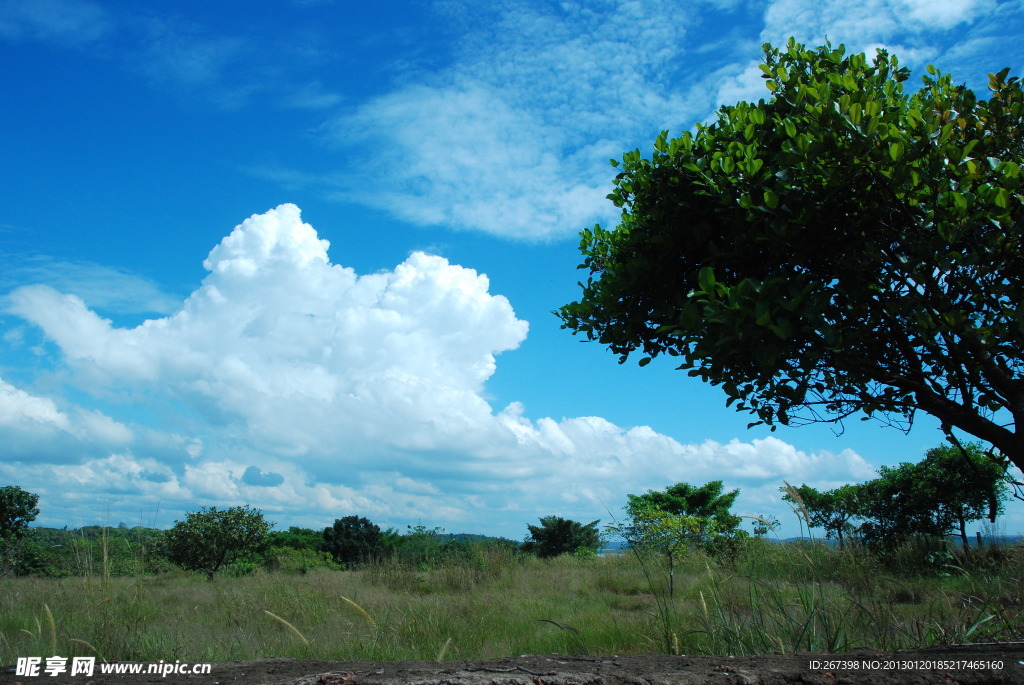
<point>1002,198</point>
<point>856,113</point>
<point>771,199</point>
<point>896,151</point>
<point>707,279</point>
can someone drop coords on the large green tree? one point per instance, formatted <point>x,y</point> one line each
<point>845,247</point>
<point>209,539</point>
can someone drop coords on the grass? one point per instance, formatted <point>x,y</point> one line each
<point>770,598</point>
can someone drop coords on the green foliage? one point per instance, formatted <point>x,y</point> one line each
<point>667,533</point>
<point>556,536</point>
<point>210,539</point>
<point>843,248</point>
<point>832,510</point>
<point>949,488</point>
<point>302,560</point>
<point>353,540</point>
<point>92,550</point>
<point>763,525</point>
<point>420,546</point>
<point>709,523</point>
<point>17,509</point>
<point>297,538</point>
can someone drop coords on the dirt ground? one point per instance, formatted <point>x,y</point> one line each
<point>968,664</point>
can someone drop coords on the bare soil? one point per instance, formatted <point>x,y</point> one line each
<point>967,664</point>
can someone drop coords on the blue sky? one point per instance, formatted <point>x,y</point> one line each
<point>303,255</point>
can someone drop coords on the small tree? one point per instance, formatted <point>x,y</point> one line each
<point>667,533</point>
<point>353,539</point>
<point>17,510</point>
<point>556,535</point>
<point>831,510</point>
<point>707,506</point>
<point>210,539</point>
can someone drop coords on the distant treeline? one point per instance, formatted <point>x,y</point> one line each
<point>125,551</point>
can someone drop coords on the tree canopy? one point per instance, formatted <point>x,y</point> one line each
<point>556,535</point>
<point>699,515</point>
<point>353,539</point>
<point>935,497</point>
<point>17,510</point>
<point>842,248</point>
<point>831,510</point>
<point>212,538</point>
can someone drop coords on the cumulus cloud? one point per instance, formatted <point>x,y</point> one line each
<point>295,384</point>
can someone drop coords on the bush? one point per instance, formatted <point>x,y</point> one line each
<point>289,560</point>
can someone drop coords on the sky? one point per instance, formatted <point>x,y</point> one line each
<point>305,255</point>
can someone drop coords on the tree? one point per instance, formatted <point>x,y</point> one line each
<point>843,248</point>
<point>964,484</point>
<point>353,539</point>
<point>670,534</point>
<point>209,539</point>
<point>706,507</point>
<point>831,510</point>
<point>934,497</point>
<point>556,535</point>
<point>17,510</point>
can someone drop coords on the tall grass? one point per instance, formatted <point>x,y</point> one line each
<point>772,597</point>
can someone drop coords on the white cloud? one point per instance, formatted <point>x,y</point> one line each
<point>64,22</point>
<point>514,138</point>
<point>33,426</point>
<point>871,22</point>
<point>19,408</point>
<point>299,386</point>
<point>117,291</point>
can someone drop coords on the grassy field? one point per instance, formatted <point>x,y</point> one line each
<point>770,598</point>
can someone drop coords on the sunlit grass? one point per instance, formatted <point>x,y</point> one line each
<point>769,598</point>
